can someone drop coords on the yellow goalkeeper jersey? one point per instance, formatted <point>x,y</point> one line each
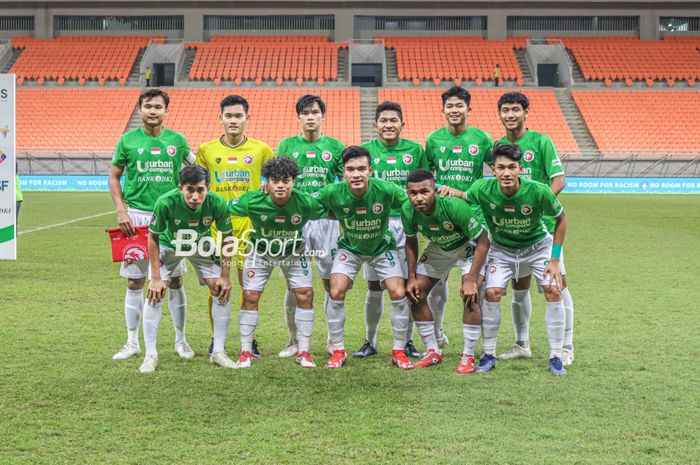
<point>234,171</point>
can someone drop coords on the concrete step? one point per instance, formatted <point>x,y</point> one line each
<point>392,68</point>
<point>343,64</point>
<point>576,69</point>
<point>16,52</point>
<point>574,119</point>
<point>135,120</point>
<point>368,104</point>
<point>187,66</point>
<point>524,67</point>
<point>135,74</point>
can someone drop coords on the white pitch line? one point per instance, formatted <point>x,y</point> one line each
<point>51,226</point>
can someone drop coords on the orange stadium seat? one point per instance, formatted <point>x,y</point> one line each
<point>67,119</point>
<point>422,114</point>
<point>77,57</point>
<point>638,120</point>
<point>620,58</point>
<point>194,112</point>
<point>451,58</point>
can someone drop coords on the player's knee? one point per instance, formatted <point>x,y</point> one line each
<point>135,284</point>
<point>396,292</point>
<point>494,294</point>
<point>250,300</point>
<point>374,285</point>
<point>175,283</point>
<point>305,297</point>
<point>337,293</point>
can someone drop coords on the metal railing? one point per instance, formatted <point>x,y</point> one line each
<point>118,23</point>
<point>573,23</point>
<point>423,23</point>
<point>270,23</point>
<point>16,23</point>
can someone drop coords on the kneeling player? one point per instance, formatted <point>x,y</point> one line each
<point>181,219</point>
<point>513,209</point>
<point>278,217</point>
<point>454,231</point>
<point>363,206</point>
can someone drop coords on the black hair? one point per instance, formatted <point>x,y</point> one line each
<point>231,100</point>
<point>194,174</point>
<point>153,93</point>
<point>459,92</point>
<point>355,151</point>
<point>307,100</point>
<point>420,175</point>
<point>280,168</point>
<point>510,151</point>
<point>514,97</point>
<point>388,106</point>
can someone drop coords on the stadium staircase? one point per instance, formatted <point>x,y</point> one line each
<point>16,52</point>
<point>134,120</point>
<point>368,104</point>
<point>189,59</point>
<point>576,69</point>
<point>528,79</point>
<point>343,64</point>
<point>576,123</point>
<point>134,76</point>
<point>392,68</point>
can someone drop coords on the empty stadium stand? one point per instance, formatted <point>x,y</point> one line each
<point>630,59</point>
<point>422,113</point>
<point>80,120</point>
<point>265,58</point>
<point>79,58</point>
<point>455,58</point>
<point>631,120</point>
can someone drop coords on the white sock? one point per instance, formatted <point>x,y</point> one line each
<point>399,322</point>
<point>426,330</point>
<point>133,309</point>
<point>521,309</point>
<point>490,321</point>
<point>437,299</point>
<point>569,310</point>
<point>555,321</point>
<point>248,320</point>
<point>151,320</point>
<point>471,337</point>
<point>290,305</point>
<point>335,314</point>
<point>220,316</point>
<point>304,320</point>
<point>177,302</point>
<point>374,307</point>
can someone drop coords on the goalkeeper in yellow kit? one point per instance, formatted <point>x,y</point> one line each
<point>235,164</point>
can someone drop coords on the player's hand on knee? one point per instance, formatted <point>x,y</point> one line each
<point>223,289</point>
<point>413,290</point>
<point>552,275</point>
<point>125,223</point>
<point>469,291</point>
<point>156,290</point>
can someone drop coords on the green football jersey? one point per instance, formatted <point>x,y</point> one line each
<point>319,162</point>
<point>452,223</point>
<point>394,164</point>
<point>364,220</point>
<point>515,222</point>
<point>152,165</point>
<point>458,160</point>
<point>171,214</point>
<point>540,162</point>
<point>277,230</point>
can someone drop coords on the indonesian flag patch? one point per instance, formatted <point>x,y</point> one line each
<point>279,219</point>
<point>509,209</point>
<point>391,160</point>
<point>155,150</point>
<point>232,160</point>
<point>434,227</point>
<point>457,149</point>
<point>193,222</point>
<point>361,210</point>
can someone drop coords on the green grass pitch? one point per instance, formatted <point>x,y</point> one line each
<point>631,396</point>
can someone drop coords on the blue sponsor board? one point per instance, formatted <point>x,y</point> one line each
<point>573,185</point>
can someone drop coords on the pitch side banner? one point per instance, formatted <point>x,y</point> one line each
<point>8,233</point>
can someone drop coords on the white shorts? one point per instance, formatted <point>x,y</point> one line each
<point>386,265</point>
<point>396,228</point>
<point>525,273</point>
<point>172,266</point>
<point>138,269</point>
<point>437,263</point>
<point>322,237</point>
<point>257,270</point>
<point>504,264</point>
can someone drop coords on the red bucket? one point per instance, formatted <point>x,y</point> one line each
<point>129,248</point>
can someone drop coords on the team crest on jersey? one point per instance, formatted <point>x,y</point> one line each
<point>251,274</point>
<point>140,150</point>
<point>176,221</point>
<point>134,252</point>
<point>423,258</point>
<point>207,220</point>
<point>442,149</point>
<point>448,226</point>
<point>526,209</point>
<point>172,150</point>
<point>529,155</point>
<point>492,269</point>
<point>296,219</point>
<point>218,160</point>
<point>407,158</point>
<point>377,208</point>
<point>342,257</point>
<point>326,156</point>
<point>473,150</point>
<point>248,159</point>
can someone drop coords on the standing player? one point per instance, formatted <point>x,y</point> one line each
<point>152,156</point>
<point>319,160</point>
<point>540,163</point>
<point>456,153</point>
<point>393,158</point>
<point>513,209</point>
<point>457,238</point>
<point>279,216</point>
<point>235,162</point>
<point>188,211</point>
<point>363,207</point>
